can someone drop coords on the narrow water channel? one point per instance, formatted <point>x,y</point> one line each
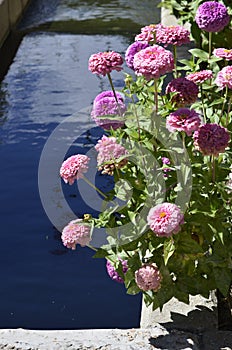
<point>44,285</point>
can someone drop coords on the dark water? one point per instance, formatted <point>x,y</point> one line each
<point>47,88</point>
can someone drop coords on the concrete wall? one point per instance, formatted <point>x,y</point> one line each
<point>10,13</point>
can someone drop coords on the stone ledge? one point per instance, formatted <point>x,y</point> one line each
<point>10,12</point>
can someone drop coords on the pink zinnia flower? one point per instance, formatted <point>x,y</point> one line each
<point>183,119</point>
<point>76,232</point>
<point>110,155</point>
<point>103,63</point>
<point>108,93</point>
<point>165,219</point>
<point>132,50</point>
<point>223,53</point>
<point>186,91</point>
<point>113,273</point>
<point>172,35</point>
<point>108,106</point>
<point>212,16</point>
<point>148,277</point>
<point>200,77</point>
<point>147,33</point>
<point>74,167</point>
<point>224,77</point>
<point>153,62</point>
<point>211,139</point>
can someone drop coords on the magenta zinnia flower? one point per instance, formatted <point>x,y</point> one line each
<point>183,119</point>
<point>147,33</point>
<point>110,155</point>
<point>103,63</point>
<point>224,77</point>
<point>223,53</point>
<point>211,139</point>
<point>200,77</point>
<point>153,62</point>
<point>165,219</point>
<point>172,35</point>
<point>74,167</point>
<point>108,93</point>
<point>132,50</point>
<point>212,16</point>
<point>165,161</point>
<point>108,106</point>
<point>76,232</point>
<point>148,277</point>
<point>186,91</point>
<point>113,273</point>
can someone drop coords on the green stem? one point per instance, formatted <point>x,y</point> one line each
<point>136,115</point>
<point>112,86</point>
<point>213,168</point>
<point>228,111</point>
<point>210,44</point>
<point>203,105</point>
<point>224,102</point>
<point>156,96</point>
<point>94,187</point>
<point>175,61</point>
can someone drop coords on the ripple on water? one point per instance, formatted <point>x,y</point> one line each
<point>43,284</point>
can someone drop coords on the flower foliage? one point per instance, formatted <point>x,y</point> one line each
<point>170,160</point>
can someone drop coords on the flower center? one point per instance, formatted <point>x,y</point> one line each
<point>162,214</point>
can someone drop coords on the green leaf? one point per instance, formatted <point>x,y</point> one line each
<point>223,278</point>
<point>169,249</point>
<point>101,253</point>
<point>203,55</point>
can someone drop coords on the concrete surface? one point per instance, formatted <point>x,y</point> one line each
<point>10,13</point>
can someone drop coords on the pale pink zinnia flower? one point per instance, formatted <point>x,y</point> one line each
<point>110,155</point>
<point>186,91</point>
<point>223,53</point>
<point>172,35</point>
<point>103,63</point>
<point>113,273</point>
<point>74,167</point>
<point>211,139</point>
<point>165,219</point>
<point>148,277</point>
<point>201,76</point>
<point>224,78</point>
<point>153,62</point>
<point>184,119</point>
<point>147,33</point>
<point>76,232</point>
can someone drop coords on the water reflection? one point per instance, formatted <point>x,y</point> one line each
<point>90,16</point>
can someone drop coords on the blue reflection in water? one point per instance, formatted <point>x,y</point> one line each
<point>43,284</point>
